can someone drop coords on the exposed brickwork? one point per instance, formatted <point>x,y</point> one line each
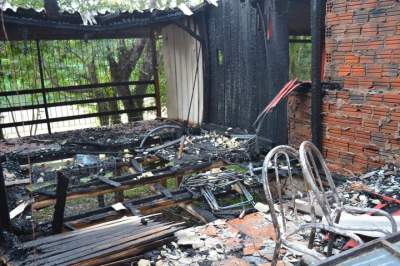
<point>361,123</point>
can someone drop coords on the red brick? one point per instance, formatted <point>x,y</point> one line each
<point>358,70</point>
<point>352,59</point>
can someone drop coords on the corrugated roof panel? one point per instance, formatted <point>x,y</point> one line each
<point>93,17</point>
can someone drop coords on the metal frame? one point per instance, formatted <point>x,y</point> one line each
<point>281,230</point>
<point>44,91</point>
<point>213,203</point>
<point>330,201</point>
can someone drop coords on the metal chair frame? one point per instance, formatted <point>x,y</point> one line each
<point>307,153</point>
<point>281,232</point>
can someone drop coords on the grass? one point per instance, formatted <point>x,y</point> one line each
<point>236,168</point>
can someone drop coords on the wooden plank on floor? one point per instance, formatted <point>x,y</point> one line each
<point>60,237</point>
<point>110,251</point>
<point>73,247</point>
<point>109,247</point>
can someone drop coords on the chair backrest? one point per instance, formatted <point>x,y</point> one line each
<point>314,167</point>
<point>271,162</point>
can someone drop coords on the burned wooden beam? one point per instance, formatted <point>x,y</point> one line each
<point>5,223</point>
<point>159,188</point>
<point>109,181</point>
<point>61,194</point>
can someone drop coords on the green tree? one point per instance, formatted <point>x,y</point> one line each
<point>65,63</point>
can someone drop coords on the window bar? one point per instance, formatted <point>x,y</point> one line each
<point>43,86</point>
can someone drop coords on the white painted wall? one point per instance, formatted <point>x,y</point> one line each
<point>180,52</point>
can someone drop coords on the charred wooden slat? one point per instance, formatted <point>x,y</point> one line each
<point>109,249</point>
<point>54,252</point>
<point>159,188</point>
<point>128,253</point>
<point>68,235</point>
<point>109,181</point>
<point>100,244</point>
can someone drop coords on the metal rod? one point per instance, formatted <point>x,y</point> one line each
<point>5,223</point>
<point>332,236</point>
<point>392,248</point>
<point>77,87</point>
<point>43,86</point>
<point>61,193</point>
<point>74,102</point>
<point>155,72</point>
<point>73,117</point>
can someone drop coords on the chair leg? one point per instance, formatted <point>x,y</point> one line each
<point>313,231</point>
<point>312,238</point>
<point>276,252</point>
<point>332,236</point>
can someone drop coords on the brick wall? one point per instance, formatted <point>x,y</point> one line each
<point>361,123</point>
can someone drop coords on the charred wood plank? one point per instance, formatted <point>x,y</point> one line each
<point>61,192</point>
<point>70,235</point>
<point>109,181</point>
<point>159,188</point>
<point>98,249</point>
<point>85,244</point>
<point>133,210</point>
<point>107,253</point>
<point>201,214</point>
<point>131,253</point>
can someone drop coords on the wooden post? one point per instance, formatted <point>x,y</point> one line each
<point>317,34</point>
<point>101,201</point>
<point>61,194</point>
<point>119,195</point>
<point>5,223</point>
<point>155,72</point>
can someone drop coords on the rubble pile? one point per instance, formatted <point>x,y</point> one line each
<point>247,241</point>
<point>209,146</point>
<point>364,191</point>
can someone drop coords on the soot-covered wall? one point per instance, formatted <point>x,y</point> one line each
<point>240,81</point>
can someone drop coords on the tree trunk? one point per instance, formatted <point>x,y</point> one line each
<point>146,73</point>
<point>100,93</point>
<point>115,119</point>
<point>121,70</point>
